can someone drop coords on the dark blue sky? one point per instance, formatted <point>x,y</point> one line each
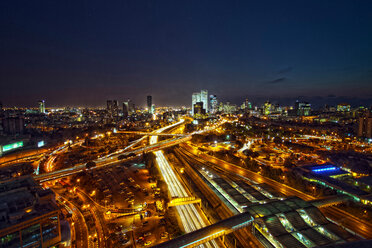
<point>84,52</point>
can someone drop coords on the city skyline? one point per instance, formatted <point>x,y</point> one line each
<point>265,51</point>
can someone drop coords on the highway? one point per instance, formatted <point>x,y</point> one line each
<point>189,215</point>
<point>347,220</point>
<point>245,238</point>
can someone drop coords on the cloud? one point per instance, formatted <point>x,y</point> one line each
<point>276,81</point>
<point>285,70</point>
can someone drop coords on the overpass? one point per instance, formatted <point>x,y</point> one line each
<point>110,160</point>
<point>183,201</point>
<point>210,232</point>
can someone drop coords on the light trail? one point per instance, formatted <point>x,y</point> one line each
<point>190,217</point>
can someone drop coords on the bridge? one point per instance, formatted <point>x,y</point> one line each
<point>183,201</point>
<point>210,232</point>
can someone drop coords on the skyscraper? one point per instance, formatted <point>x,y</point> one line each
<point>267,108</point>
<point>128,107</point>
<point>302,108</point>
<point>213,104</point>
<point>113,108</point>
<point>42,107</point>
<point>204,98</point>
<point>149,104</point>
<point>195,98</point>
<point>247,104</point>
<point>125,109</point>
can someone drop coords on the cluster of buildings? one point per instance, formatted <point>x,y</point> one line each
<point>204,105</point>
<point>29,216</point>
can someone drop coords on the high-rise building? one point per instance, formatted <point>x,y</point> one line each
<point>109,106</point>
<point>201,96</point>
<point>125,109</point>
<point>213,103</point>
<point>267,108</point>
<point>128,108</point>
<point>204,98</point>
<point>153,108</point>
<point>198,108</point>
<point>247,105</point>
<point>365,126</point>
<point>195,98</point>
<point>149,104</point>
<point>42,107</point>
<point>302,108</point>
<point>113,108</point>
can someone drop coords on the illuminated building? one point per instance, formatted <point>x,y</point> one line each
<point>365,126</point>
<point>247,105</point>
<point>153,109</point>
<point>42,107</point>
<point>267,108</point>
<point>343,107</point>
<point>128,108</point>
<point>302,108</point>
<point>198,108</point>
<point>205,100</point>
<point>149,104</point>
<point>195,98</point>
<point>201,96</point>
<point>29,215</point>
<point>213,104</point>
<point>113,108</point>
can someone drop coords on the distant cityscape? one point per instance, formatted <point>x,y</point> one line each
<point>128,176</point>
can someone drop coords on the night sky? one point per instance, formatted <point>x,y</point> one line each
<point>81,53</point>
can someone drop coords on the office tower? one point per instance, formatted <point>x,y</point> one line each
<point>205,100</point>
<point>149,104</point>
<point>125,109</point>
<point>115,109</point>
<point>302,108</point>
<point>267,108</point>
<point>213,104</point>
<point>153,108</point>
<point>195,98</point>
<point>29,215</point>
<point>109,106</point>
<point>365,126</point>
<point>198,108</point>
<point>128,108</point>
<point>247,105</point>
<point>42,107</point>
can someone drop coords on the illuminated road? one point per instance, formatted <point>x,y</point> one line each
<point>356,225</point>
<point>190,217</point>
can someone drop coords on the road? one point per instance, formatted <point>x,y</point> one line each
<point>189,215</point>
<point>218,207</point>
<point>347,220</point>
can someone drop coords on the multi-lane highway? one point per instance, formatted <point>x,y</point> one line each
<point>189,215</point>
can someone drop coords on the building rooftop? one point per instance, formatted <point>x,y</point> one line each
<point>22,199</point>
